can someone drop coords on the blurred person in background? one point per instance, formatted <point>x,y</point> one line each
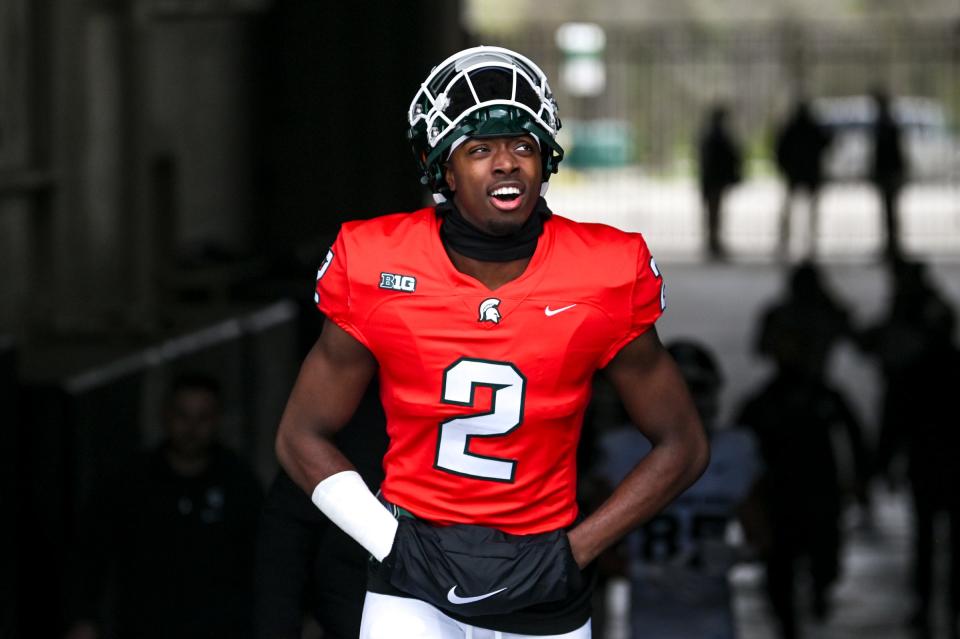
<point>307,568</point>
<point>799,147</point>
<point>720,162</point>
<point>805,326</point>
<point>888,169</point>
<point>678,562</point>
<point>166,545</point>
<point>801,421</point>
<point>916,349</point>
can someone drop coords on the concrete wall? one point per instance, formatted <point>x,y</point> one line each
<point>165,134</point>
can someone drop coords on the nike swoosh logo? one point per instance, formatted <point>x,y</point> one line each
<point>550,312</point>
<point>454,599</point>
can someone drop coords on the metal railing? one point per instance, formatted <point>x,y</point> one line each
<point>632,148</point>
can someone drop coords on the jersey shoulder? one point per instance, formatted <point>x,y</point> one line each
<point>592,236</point>
<point>390,230</point>
<point>368,256</point>
<point>615,270</point>
<point>397,244</point>
<point>592,253</point>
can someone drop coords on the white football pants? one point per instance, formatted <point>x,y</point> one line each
<point>389,617</point>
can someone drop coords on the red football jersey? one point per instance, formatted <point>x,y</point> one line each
<point>485,391</point>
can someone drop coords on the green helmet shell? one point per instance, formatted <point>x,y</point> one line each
<point>481,92</point>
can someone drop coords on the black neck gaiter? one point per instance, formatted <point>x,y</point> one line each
<point>463,237</point>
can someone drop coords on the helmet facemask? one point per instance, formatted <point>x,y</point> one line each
<point>481,92</point>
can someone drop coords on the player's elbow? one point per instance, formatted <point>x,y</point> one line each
<point>280,447</point>
<point>284,445</point>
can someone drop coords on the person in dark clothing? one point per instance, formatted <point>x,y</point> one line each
<point>803,328</point>
<point>888,169</point>
<point>306,565</point>
<point>678,562</point>
<point>721,166</point>
<point>799,149</point>
<point>919,321</point>
<point>931,445</point>
<point>794,417</point>
<point>920,362</point>
<point>166,546</point>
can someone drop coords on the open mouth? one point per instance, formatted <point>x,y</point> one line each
<point>506,198</point>
<point>506,193</point>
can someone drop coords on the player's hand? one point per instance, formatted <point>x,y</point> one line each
<point>473,570</point>
<point>579,556</point>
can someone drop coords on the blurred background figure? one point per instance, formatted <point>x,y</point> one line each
<point>888,169</point>
<point>801,421</point>
<point>678,562</point>
<point>799,148</point>
<point>166,545</point>
<point>310,574</point>
<point>915,347</point>
<point>804,327</point>
<point>721,167</point>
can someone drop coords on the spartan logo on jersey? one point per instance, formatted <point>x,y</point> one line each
<point>397,282</point>
<point>489,311</point>
<point>321,271</point>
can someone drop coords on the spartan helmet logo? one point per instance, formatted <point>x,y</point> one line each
<point>489,311</point>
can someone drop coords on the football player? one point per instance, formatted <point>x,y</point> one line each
<point>679,560</point>
<point>485,319</point>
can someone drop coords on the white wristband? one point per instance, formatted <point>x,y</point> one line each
<point>347,501</point>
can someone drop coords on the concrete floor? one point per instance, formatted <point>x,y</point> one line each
<point>871,600</point>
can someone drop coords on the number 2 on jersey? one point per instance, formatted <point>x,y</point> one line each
<point>460,381</point>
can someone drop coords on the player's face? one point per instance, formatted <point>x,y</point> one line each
<point>496,181</point>
<point>192,421</point>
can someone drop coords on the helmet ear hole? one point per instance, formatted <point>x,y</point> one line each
<point>438,182</point>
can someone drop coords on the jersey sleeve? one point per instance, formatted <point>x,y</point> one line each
<point>649,294</point>
<point>647,300</point>
<point>332,292</point>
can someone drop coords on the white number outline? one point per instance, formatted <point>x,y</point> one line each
<point>465,426</point>
<point>663,286</point>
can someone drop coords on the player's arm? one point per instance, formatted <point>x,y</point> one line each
<point>658,402</point>
<point>328,389</point>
